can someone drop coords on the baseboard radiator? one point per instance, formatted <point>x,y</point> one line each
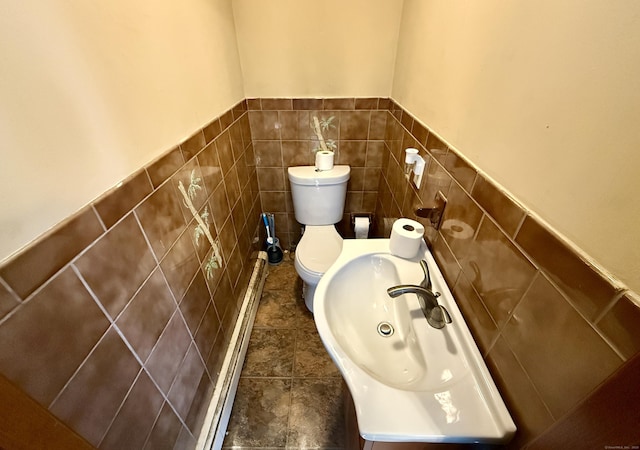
<point>217,417</point>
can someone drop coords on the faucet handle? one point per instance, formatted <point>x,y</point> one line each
<point>426,283</point>
<point>438,317</point>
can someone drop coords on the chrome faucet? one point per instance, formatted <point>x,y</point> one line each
<point>436,314</point>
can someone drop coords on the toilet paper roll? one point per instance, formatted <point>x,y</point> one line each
<point>406,237</point>
<point>324,160</point>
<point>457,229</point>
<point>362,227</point>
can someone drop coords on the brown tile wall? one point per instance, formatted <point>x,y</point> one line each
<point>111,322</point>
<point>550,326</point>
<point>283,137</point>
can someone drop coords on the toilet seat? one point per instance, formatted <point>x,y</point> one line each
<point>317,250</point>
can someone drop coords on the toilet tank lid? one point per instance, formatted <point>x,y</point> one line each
<point>307,175</point>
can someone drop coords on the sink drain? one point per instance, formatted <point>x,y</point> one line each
<point>385,329</point>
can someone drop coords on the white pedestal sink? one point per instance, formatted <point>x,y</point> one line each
<point>409,382</point>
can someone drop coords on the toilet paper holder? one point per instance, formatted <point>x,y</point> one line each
<point>354,215</point>
<point>433,213</point>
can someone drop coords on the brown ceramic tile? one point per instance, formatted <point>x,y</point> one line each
<point>239,109</point>
<point>589,290</point>
<point>135,419</point>
<point>264,125</point>
<point>371,179</point>
<point>199,409</point>
<point>420,132</point>
<point>527,408</point>
<point>226,119</point>
<point>164,362</point>
<point>268,153</point>
<point>166,166</point>
<point>185,439</point>
<point>356,179</point>
<point>191,180</point>
<point>331,118</point>
<point>273,201</point>
<point>237,144</point>
<point>90,401</point>
<point>234,266</point>
<point>243,172</point>
<point>245,128</point>
<point>186,382</point>
<point>147,314</point>
<point>210,167</point>
<point>165,430</point>
<point>446,261</point>
<point>296,153</point>
<point>460,221</point>
<point>232,186</point>
<point>228,238</point>
<point>353,203</point>
<point>475,314</point>
<point>193,145</point>
<point>208,330</point>
<point>307,104</point>
<point>435,179</point>
<point>123,198</point>
<point>354,125</point>
<point>254,104</point>
<point>366,103</point>
<point>276,104</point>
<point>621,324</point>
<point>194,302</point>
<point>276,310</point>
<point>316,417</point>
<point>225,152</point>
<point>42,258</point>
<point>339,103</point>
<point>375,153</point>
<point>378,125</point>
<point>180,265</point>
<point>223,296</point>
<point>460,170</point>
<point>117,264</point>
<point>406,120</point>
<point>497,270</point>
<point>311,358</point>
<point>260,414</point>
<point>498,204</point>
<point>212,130</point>
<point>369,201</point>
<point>564,357</point>
<point>8,300</point>
<point>353,153</point>
<point>40,359</point>
<point>219,206</point>
<point>437,148</point>
<point>384,103</point>
<point>270,353</point>
<point>161,218</point>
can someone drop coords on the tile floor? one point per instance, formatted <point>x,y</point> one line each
<point>290,392</point>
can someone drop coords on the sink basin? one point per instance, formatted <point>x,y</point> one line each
<point>410,382</point>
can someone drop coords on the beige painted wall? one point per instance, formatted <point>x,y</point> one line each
<point>311,48</point>
<point>92,91</point>
<point>545,98</point>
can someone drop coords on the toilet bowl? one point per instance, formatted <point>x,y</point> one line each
<point>317,250</point>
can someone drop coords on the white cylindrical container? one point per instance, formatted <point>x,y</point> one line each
<point>324,160</point>
<point>406,237</point>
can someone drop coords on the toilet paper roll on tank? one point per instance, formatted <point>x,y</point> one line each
<point>324,160</point>
<point>406,237</point>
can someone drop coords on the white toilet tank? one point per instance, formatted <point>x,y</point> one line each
<point>318,197</point>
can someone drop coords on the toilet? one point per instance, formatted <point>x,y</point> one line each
<point>318,203</point>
